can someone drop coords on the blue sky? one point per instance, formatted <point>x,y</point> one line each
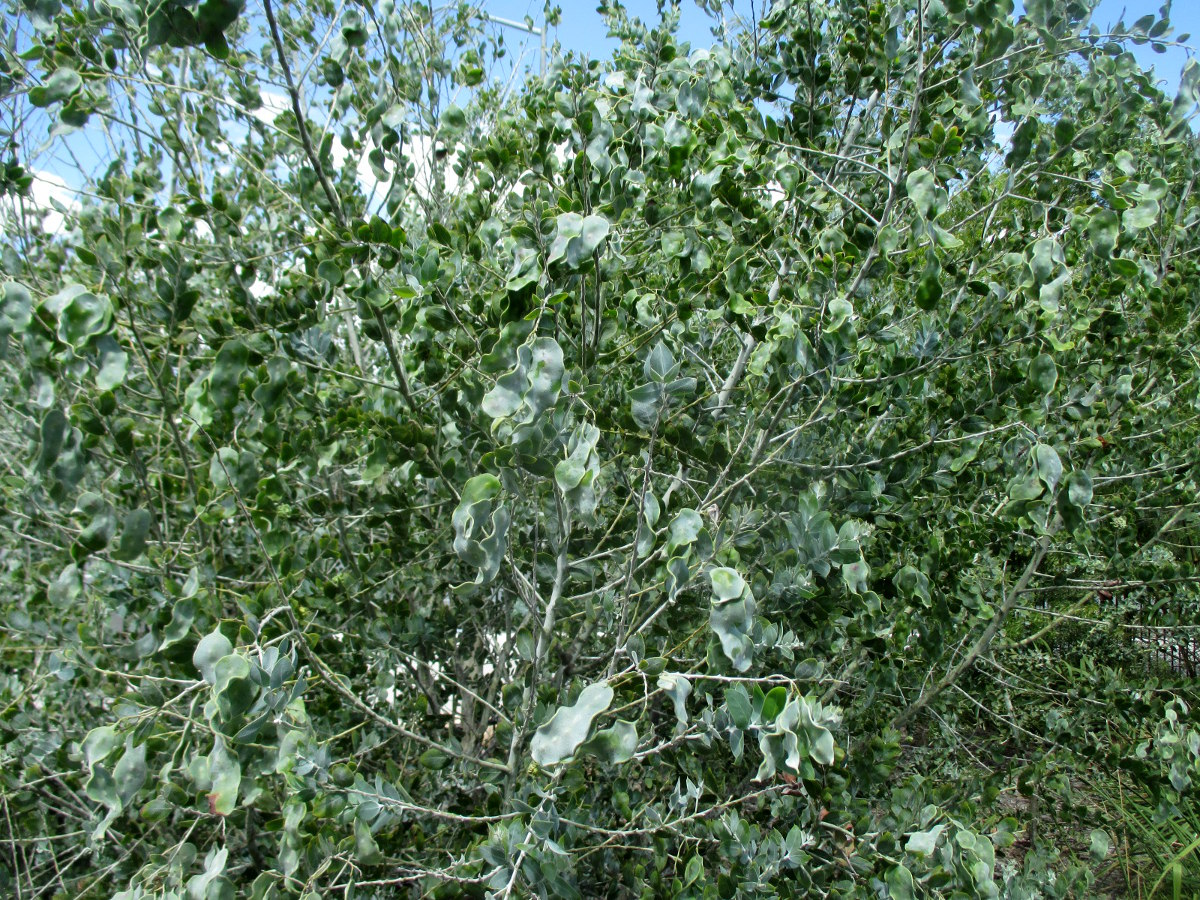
<point>1185,17</point>
<point>583,30</point>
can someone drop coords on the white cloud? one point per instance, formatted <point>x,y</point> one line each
<point>50,199</point>
<point>419,150</point>
<point>273,103</point>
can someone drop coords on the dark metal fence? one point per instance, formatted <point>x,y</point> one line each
<point>1177,651</point>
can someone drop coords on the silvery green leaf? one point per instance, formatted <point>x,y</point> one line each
<point>560,736</point>
<point>929,199</point>
<point>924,842</point>
<point>678,688</point>
<point>1049,466</point>
<point>731,616</point>
<point>660,363</point>
<point>481,527</point>
<point>612,745</point>
<point>211,648</point>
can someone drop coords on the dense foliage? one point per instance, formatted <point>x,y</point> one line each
<point>768,469</point>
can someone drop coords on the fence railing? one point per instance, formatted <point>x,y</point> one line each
<point>1178,651</point>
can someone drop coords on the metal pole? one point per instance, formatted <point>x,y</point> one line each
<point>521,26</point>
<point>511,23</point>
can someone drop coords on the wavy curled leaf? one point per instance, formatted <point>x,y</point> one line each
<point>678,688</point>
<point>1073,500</point>
<point>81,314</point>
<point>799,730</point>
<point>651,510</point>
<point>560,736</point>
<point>576,476</point>
<point>612,745</point>
<point>685,535</point>
<point>233,689</point>
<point>212,647</point>
<point>929,199</point>
<point>16,308</point>
<point>99,744</point>
<point>130,772</point>
<point>732,616</point>
<point>577,237</point>
<point>226,774</point>
<point>779,742</point>
<point>1049,466</point>
<point>651,400</point>
<point>529,389</point>
<point>59,86</point>
<point>1079,488</point>
<point>820,738</point>
<point>481,527</point>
